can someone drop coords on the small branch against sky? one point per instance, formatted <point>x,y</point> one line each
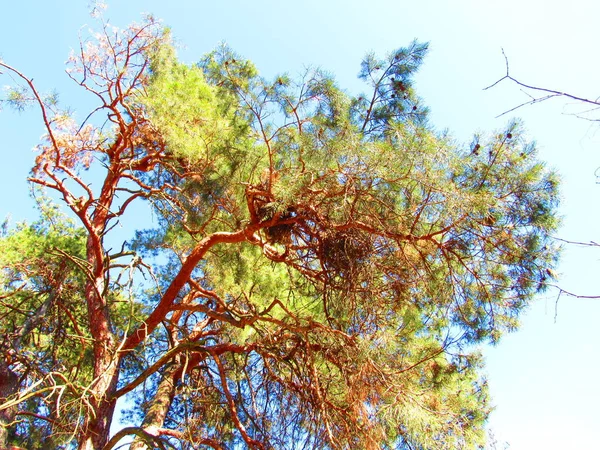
<point>528,90</point>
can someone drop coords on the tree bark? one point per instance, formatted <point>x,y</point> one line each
<point>8,387</point>
<point>156,415</point>
<point>98,419</point>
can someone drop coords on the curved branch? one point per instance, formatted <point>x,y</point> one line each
<point>232,407</point>
<point>38,99</point>
<point>149,439</point>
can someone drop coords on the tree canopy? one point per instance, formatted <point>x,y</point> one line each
<point>319,272</point>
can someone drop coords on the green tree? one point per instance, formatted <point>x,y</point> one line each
<point>41,330</point>
<point>322,267</point>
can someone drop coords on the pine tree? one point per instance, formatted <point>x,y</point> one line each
<point>322,268</point>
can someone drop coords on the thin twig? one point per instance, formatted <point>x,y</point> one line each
<point>550,92</point>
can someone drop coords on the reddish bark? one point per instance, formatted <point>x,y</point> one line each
<point>180,280</point>
<point>8,387</point>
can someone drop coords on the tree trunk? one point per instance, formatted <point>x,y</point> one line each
<point>98,419</point>
<point>8,387</point>
<point>155,417</point>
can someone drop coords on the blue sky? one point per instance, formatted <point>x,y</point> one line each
<point>544,377</point>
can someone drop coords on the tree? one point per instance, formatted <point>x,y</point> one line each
<point>321,268</point>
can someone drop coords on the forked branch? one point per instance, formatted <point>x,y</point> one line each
<point>547,93</point>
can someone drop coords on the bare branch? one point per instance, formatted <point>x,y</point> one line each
<point>550,93</point>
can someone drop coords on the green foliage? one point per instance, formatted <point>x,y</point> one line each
<point>182,104</point>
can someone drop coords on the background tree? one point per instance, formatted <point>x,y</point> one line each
<point>321,268</point>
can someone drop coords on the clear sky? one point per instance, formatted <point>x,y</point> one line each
<point>544,378</point>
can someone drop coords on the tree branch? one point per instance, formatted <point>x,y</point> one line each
<point>550,93</point>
